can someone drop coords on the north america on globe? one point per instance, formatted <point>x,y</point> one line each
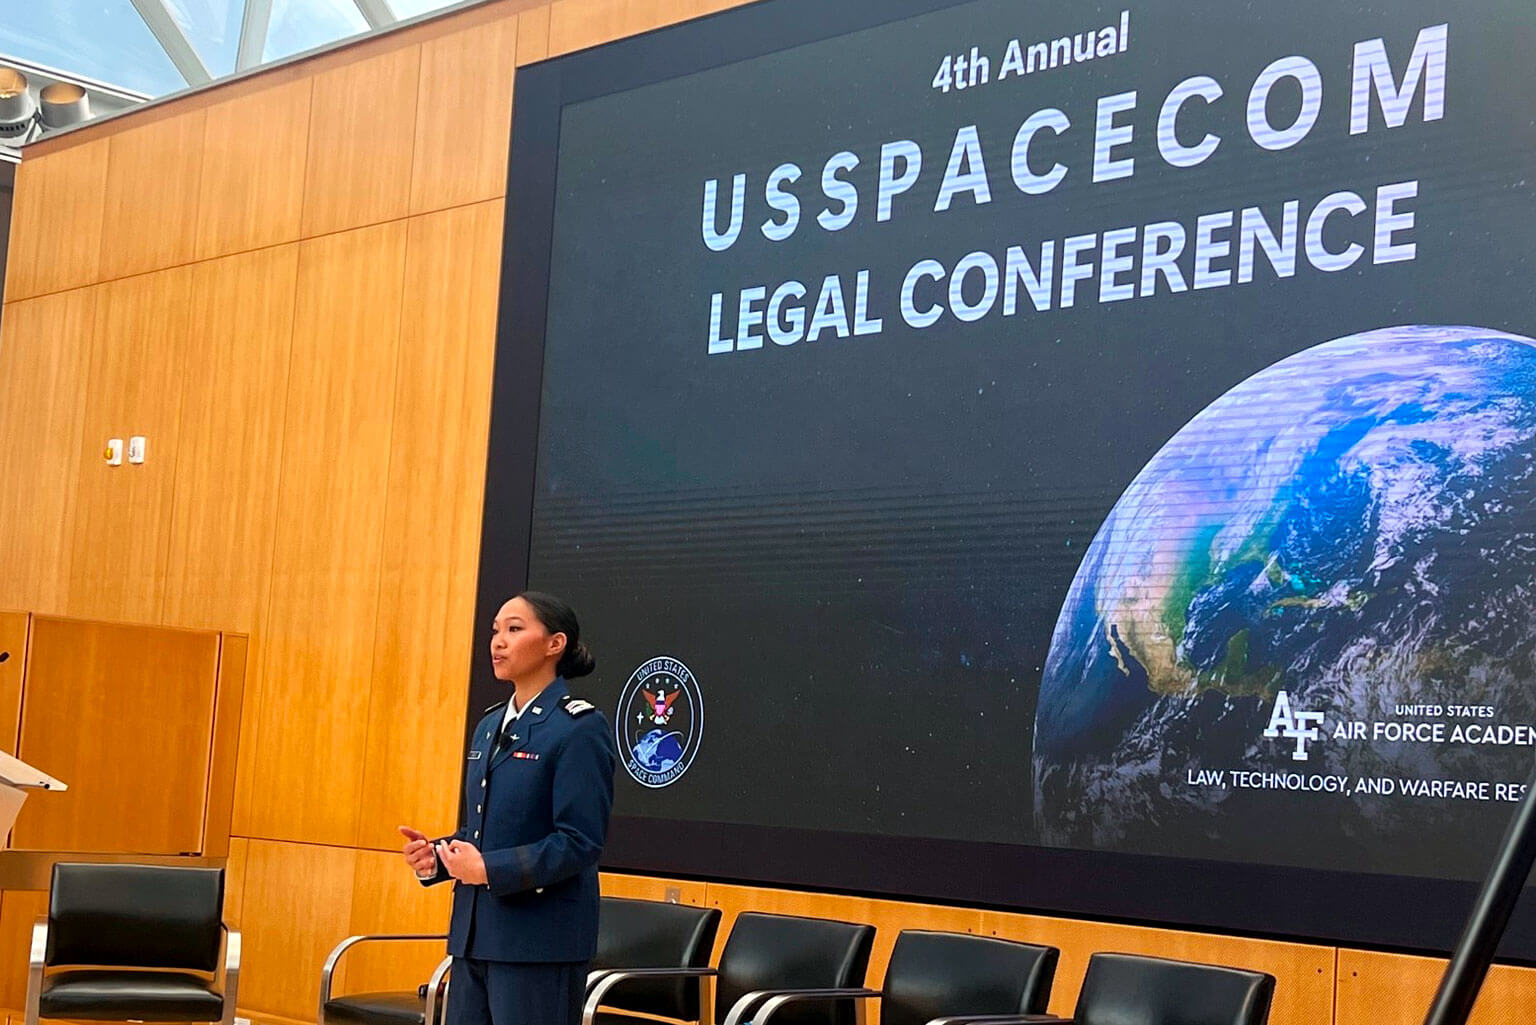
<point>1354,525</point>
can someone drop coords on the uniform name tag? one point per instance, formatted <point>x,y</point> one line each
<point>473,755</point>
<point>530,755</point>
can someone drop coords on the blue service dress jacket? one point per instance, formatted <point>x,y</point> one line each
<point>538,812</point>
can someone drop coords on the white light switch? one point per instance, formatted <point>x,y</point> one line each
<point>136,447</point>
<point>114,452</point>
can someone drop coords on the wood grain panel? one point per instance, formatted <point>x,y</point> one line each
<point>464,116</point>
<point>44,358</point>
<point>297,906</point>
<point>120,532</point>
<point>149,216</point>
<point>233,400</point>
<point>18,910</point>
<point>13,648</point>
<point>252,191</point>
<point>318,648</point>
<point>56,221</point>
<point>246,756</point>
<point>124,715</point>
<point>362,127</point>
<point>578,24</point>
<point>233,652</point>
<point>533,35</point>
<point>387,900</point>
<point>1390,989</point>
<point>1304,974</point>
<point>234,881</point>
<point>616,884</point>
<point>426,635</point>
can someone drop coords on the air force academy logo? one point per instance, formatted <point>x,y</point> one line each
<point>1302,727</point>
<point>660,722</point>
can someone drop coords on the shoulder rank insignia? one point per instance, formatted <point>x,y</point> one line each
<point>576,706</point>
<point>492,708</point>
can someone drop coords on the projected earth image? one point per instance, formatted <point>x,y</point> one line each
<point>1354,525</point>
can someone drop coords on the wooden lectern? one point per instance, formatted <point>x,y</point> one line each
<point>16,778</point>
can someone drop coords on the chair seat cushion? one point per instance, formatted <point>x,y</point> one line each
<point>400,1008</point>
<point>143,996</point>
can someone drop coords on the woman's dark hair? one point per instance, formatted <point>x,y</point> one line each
<point>559,618</point>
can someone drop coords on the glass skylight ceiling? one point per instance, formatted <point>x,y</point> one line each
<point>156,47</point>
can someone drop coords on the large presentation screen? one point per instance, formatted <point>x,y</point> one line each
<point>1067,455</point>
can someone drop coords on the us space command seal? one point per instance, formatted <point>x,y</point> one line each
<point>660,721</point>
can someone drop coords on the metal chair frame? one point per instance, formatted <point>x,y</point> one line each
<point>437,986</point>
<point>229,989</point>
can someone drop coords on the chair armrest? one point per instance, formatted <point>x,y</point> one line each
<point>437,989</point>
<point>762,1004</point>
<point>347,944</point>
<point>606,980</point>
<point>231,973</point>
<point>1001,1019</point>
<point>37,962</point>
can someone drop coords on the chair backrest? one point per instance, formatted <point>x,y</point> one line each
<point>135,916</point>
<point>939,974</point>
<point>1125,989</point>
<point>651,934</point>
<point>789,952</point>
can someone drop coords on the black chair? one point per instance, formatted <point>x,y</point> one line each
<point>397,1007</point>
<point>942,976</point>
<point>630,934</point>
<point>635,934</point>
<point>765,955</point>
<point>150,935</point>
<point>1127,989</point>
<point>1122,988</point>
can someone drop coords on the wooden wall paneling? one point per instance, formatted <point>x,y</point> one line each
<point>18,910</point>
<point>578,24</point>
<point>234,881</point>
<point>618,884</point>
<point>252,191</point>
<point>149,216</point>
<point>1392,989</point>
<point>318,646</point>
<point>297,905</point>
<point>13,648</point>
<point>426,636</point>
<point>246,754</point>
<point>124,715</point>
<point>362,127</point>
<point>44,359</point>
<point>533,35</point>
<point>387,900</point>
<point>233,399</point>
<point>121,527</point>
<point>1304,974</point>
<point>233,650</point>
<point>464,116</point>
<point>56,221</point>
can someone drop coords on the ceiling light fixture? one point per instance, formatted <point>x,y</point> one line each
<point>64,104</point>
<point>18,110</point>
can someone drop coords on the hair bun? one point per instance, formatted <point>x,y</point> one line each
<point>577,661</point>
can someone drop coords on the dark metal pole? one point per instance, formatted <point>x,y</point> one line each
<point>1490,916</point>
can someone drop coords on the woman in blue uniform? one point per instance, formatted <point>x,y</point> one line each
<point>538,786</point>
